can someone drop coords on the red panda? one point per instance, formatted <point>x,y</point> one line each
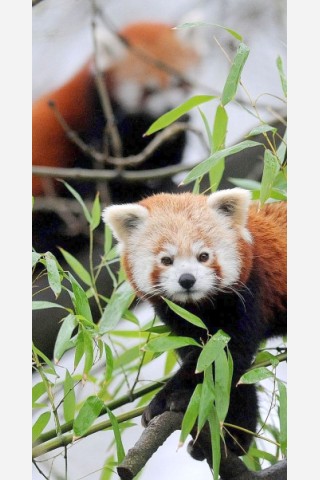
<point>223,259</point>
<point>140,91</point>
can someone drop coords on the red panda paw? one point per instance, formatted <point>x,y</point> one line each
<point>176,401</point>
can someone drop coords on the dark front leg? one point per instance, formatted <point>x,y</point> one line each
<point>177,392</point>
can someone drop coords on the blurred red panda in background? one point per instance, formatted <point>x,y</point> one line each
<point>139,77</point>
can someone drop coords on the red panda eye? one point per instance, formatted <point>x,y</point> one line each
<point>166,261</point>
<point>203,257</point>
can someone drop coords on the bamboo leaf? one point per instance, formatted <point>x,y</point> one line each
<point>88,413</point>
<point>218,143</point>
<point>63,342</point>
<point>283,77</point>
<point>95,213</point>
<point>38,390</point>
<point>283,416</point>
<point>181,312</point>
<point>117,436</point>
<point>206,24</point>
<point>40,425</point>
<point>222,385</point>
<point>69,401</point>
<point>79,199</point>
<point>88,351</point>
<point>232,82</point>
<point>211,350</point>
<point>45,359</point>
<point>205,166</point>
<point>77,267</point>
<point>35,258</point>
<point>79,351</point>
<point>190,416</point>
<point>255,375</point>
<point>163,344</point>
<point>270,171</point>
<point>261,129</point>
<point>206,125</point>
<point>107,239</point>
<point>109,363</point>
<point>53,273</point>
<point>80,300</point>
<point>169,117</point>
<point>42,305</point>
<point>207,398</point>
<point>120,301</point>
<point>215,442</point>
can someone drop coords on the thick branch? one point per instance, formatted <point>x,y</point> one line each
<point>162,426</point>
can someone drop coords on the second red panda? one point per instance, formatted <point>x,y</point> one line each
<point>142,85</point>
<point>223,259</point>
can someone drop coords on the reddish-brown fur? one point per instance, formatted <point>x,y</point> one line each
<point>74,100</point>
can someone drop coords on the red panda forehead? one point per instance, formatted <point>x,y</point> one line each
<point>181,220</point>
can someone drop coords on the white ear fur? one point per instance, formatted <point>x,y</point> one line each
<point>123,219</point>
<point>233,203</point>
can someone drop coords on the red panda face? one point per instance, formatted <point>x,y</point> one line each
<point>184,247</point>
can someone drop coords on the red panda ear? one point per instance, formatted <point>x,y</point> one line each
<point>233,203</point>
<point>124,219</point>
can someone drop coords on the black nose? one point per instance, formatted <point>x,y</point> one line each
<point>187,280</point>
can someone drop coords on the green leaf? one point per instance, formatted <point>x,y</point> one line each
<point>79,199</point>
<point>206,24</point>
<point>206,125</point>
<point>117,436</point>
<point>80,300</point>
<point>283,77</point>
<point>270,171</point>
<point>215,442</point>
<point>63,342</point>
<point>218,142</point>
<point>255,375</point>
<point>79,352</point>
<point>281,151</point>
<point>88,351</point>
<point>109,363</point>
<point>190,416</point>
<point>53,273</point>
<point>255,452</point>
<point>45,359</point>
<point>207,398</point>
<point>170,363</point>
<point>77,267</point>
<point>42,304</point>
<point>119,302</point>
<point>231,85</point>
<point>96,213</point>
<point>163,344</point>
<point>169,117</point>
<point>40,425</point>
<point>158,329</point>
<point>38,390</point>
<point>190,317</point>
<point>222,385</point>
<point>35,258</point>
<point>283,416</point>
<point>245,183</point>
<point>211,350</point>
<point>266,357</point>
<point>261,129</point>
<point>219,128</point>
<point>69,401</point>
<point>205,166</point>
<point>88,413</point>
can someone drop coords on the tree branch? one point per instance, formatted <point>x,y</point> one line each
<point>162,426</point>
